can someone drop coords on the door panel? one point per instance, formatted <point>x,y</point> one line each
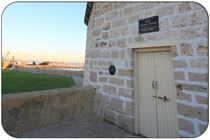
<point>166,110</point>
<point>147,104</point>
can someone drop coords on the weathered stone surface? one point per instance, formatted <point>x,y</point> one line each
<point>128,10</point>
<point>145,6</point>
<point>200,77</point>
<point>192,112</point>
<point>119,5</point>
<point>167,10</point>
<point>96,32</point>
<point>199,63</point>
<point>164,25</point>
<point>197,18</point>
<point>106,26</point>
<point>122,54</point>
<point>121,42</point>
<point>174,52</point>
<point>182,96</point>
<point>115,54</point>
<point>139,39</point>
<point>116,81</point>
<point>197,88</point>
<point>105,35</point>
<point>118,22</point>
<point>102,63</point>
<point>202,49</point>
<point>106,54</point>
<point>202,128</point>
<point>179,64</point>
<point>30,110</point>
<point>179,75</point>
<point>129,83</point>
<point>93,76</point>
<point>201,100</point>
<point>125,122</point>
<point>117,104</point>
<point>184,7</point>
<point>197,6</point>
<point>110,89</point>
<point>186,125</point>
<point>110,115</point>
<point>95,53</point>
<point>124,31</point>
<point>111,15</point>
<point>103,98</point>
<point>186,49</point>
<point>103,44</point>
<point>107,7</point>
<point>99,21</point>
<point>114,33</point>
<point>179,21</point>
<point>190,33</point>
<point>125,93</point>
<point>103,79</point>
<point>168,34</point>
<point>128,73</point>
<point>129,107</point>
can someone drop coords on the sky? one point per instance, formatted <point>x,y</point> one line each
<point>45,31</point>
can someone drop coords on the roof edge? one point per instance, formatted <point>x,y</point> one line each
<point>88,12</point>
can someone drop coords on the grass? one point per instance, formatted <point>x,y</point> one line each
<point>16,81</point>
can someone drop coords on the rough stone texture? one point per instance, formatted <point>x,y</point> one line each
<point>29,110</point>
<point>202,128</point>
<point>116,81</point>
<point>117,104</point>
<point>182,21</point>
<point>93,76</point>
<point>186,125</point>
<point>201,100</point>
<point>110,115</point>
<point>125,122</point>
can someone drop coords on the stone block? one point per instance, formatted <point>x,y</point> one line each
<point>110,115</point>
<point>128,10</point>
<point>145,6</point>
<point>202,128</point>
<point>119,5</point>
<point>110,89</point>
<point>116,81</point>
<point>167,10</point>
<point>196,6</point>
<point>183,96</point>
<point>192,112</point>
<point>107,7</point>
<point>96,53</point>
<point>121,42</point>
<point>111,15</point>
<point>152,37</point>
<point>112,43</point>
<point>103,98</point>
<point>106,54</point>
<point>115,54</point>
<point>196,88</point>
<point>199,77</point>
<point>99,21</point>
<point>96,32</point>
<point>133,19</point>
<point>184,7</point>
<point>103,44</point>
<point>186,49</point>
<point>103,79</point>
<point>124,31</point>
<point>114,33</point>
<point>129,83</point>
<point>202,49</point>
<point>139,39</point>
<point>197,18</point>
<point>122,72</point>
<point>122,53</point>
<point>190,33</point>
<point>179,64</point>
<point>125,93</point>
<point>125,122</point>
<point>117,104</point>
<point>93,76</point>
<point>133,30</point>
<point>164,25</point>
<point>174,52</point>
<point>186,125</point>
<point>102,63</point>
<point>105,35</point>
<point>106,26</point>
<point>199,63</point>
<point>179,21</point>
<point>179,75</point>
<point>118,22</point>
<point>201,99</point>
<point>129,108</point>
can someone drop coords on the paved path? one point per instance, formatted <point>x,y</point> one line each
<point>87,127</point>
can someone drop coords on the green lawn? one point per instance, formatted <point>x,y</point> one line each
<point>16,81</point>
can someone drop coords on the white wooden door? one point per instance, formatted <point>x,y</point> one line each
<point>157,115</point>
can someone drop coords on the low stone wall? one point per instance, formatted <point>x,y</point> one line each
<point>50,71</point>
<point>29,110</point>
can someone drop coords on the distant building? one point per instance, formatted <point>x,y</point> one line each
<point>149,64</point>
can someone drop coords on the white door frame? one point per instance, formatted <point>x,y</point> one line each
<point>146,47</point>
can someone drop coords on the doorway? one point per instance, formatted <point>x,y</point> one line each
<point>156,98</point>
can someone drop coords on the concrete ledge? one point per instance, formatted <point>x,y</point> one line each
<point>29,110</point>
<point>51,71</point>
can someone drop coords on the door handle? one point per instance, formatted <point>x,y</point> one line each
<point>153,84</point>
<point>164,98</point>
<point>156,84</point>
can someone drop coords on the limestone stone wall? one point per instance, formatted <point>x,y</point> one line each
<point>30,110</point>
<point>114,26</point>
